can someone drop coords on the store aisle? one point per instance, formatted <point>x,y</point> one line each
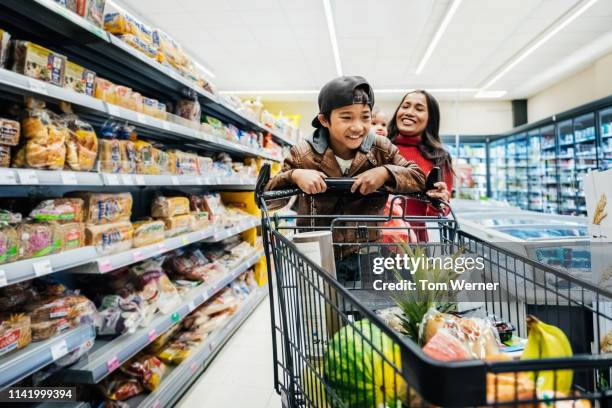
<point>241,374</point>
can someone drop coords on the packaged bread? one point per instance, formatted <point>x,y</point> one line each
<point>149,106</point>
<point>186,163</point>
<point>49,328</point>
<point>73,235</point>
<point>5,156</point>
<point>172,163</point>
<point>205,165</point>
<point>45,140</point>
<point>10,131</point>
<point>38,239</point>
<point>166,207</point>
<point>188,109</point>
<point>81,145</point>
<point>161,111</point>
<point>135,102</point>
<point>8,243</point>
<point>161,159</point>
<point>144,158</point>
<point>129,157</point>
<point>59,210</point>
<point>120,23</point>
<point>15,333</point>
<point>95,11</point>
<point>8,217</point>
<point>179,224</point>
<point>122,96</point>
<point>79,79</point>
<point>110,156</point>
<point>106,90</point>
<point>40,156</point>
<point>110,238</point>
<point>5,39</point>
<point>147,232</point>
<point>102,208</point>
<point>38,62</point>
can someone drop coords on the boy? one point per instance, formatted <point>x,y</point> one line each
<point>343,146</point>
<point>379,122</point>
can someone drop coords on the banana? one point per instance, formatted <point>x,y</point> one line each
<point>548,341</point>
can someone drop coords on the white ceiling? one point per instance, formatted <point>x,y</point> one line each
<point>285,44</point>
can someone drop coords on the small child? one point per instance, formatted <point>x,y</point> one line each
<point>344,146</point>
<point>379,122</point>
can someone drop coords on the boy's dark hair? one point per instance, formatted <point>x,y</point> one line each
<point>360,95</point>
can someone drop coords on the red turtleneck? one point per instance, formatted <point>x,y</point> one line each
<point>408,147</point>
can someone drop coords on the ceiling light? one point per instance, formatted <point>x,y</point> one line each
<point>272,92</point>
<point>432,90</point>
<point>490,94</point>
<point>432,45</point>
<point>332,35</point>
<point>571,16</point>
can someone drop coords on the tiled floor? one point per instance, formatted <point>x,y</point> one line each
<point>241,374</point>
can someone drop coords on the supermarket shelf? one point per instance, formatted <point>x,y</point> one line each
<point>181,377</point>
<point>30,177</point>
<point>15,272</point>
<point>107,355</point>
<point>606,135</point>
<point>13,81</point>
<point>109,263</point>
<point>37,355</point>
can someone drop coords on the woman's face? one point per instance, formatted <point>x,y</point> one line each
<point>412,116</point>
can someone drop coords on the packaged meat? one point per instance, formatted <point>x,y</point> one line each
<point>8,244</point>
<point>59,210</point>
<point>15,333</point>
<point>79,79</point>
<point>8,217</point>
<point>5,156</point>
<point>72,235</point>
<point>10,131</point>
<point>144,158</point>
<point>95,11</point>
<point>156,286</point>
<point>188,109</point>
<point>101,208</point>
<point>81,145</point>
<point>149,370</point>
<point>5,39</point>
<point>166,207</point>
<point>110,156</point>
<point>180,224</point>
<point>38,62</point>
<point>106,90</point>
<point>110,238</point>
<point>38,239</point>
<point>119,387</point>
<point>118,315</point>
<point>129,156</point>
<point>147,232</point>
<point>47,329</point>
<point>163,338</point>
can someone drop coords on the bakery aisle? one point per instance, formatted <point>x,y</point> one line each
<point>241,374</point>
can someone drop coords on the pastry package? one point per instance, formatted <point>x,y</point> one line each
<point>105,90</point>
<point>129,156</point>
<point>163,338</point>
<point>101,208</point>
<point>176,352</point>
<point>144,158</point>
<point>136,42</point>
<point>14,297</point>
<point>72,235</point>
<point>147,232</point>
<point>120,387</point>
<point>157,289</point>
<point>201,220</point>
<point>59,210</point>
<point>5,156</point>
<point>188,264</point>
<point>179,224</point>
<point>38,239</point>
<point>5,39</point>
<point>110,156</point>
<point>188,109</point>
<point>79,79</point>
<point>166,207</point>
<point>118,315</point>
<point>149,370</point>
<point>110,238</point>
<point>45,139</point>
<point>10,131</point>
<point>81,144</point>
<point>15,332</point>
<point>38,62</point>
<point>9,243</point>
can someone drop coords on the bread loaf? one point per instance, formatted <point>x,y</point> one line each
<point>147,232</point>
<point>101,208</point>
<point>110,238</point>
<point>166,207</point>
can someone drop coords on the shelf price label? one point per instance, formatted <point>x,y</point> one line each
<point>161,247</point>
<point>113,110</point>
<point>175,180</point>
<point>8,177</point>
<point>112,364</point>
<point>3,280</point>
<point>127,180</point>
<point>105,266</point>
<point>165,125</point>
<point>142,118</point>
<point>191,306</point>
<point>42,267</point>
<point>69,178</point>
<point>59,350</point>
<point>152,335</point>
<point>111,179</point>
<point>28,177</point>
<point>137,256</point>
<point>140,180</point>
<point>37,86</point>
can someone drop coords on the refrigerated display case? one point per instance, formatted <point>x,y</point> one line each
<point>470,165</point>
<point>605,146</point>
<point>535,171</point>
<point>586,155</point>
<point>497,168</point>
<point>516,167</point>
<point>550,184</point>
<point>566,168</point>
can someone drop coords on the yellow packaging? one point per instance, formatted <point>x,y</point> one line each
<point>147,232</point>
<point>166,207</point>
<point>144,158</point>
<point>181,224</point>
<point>79,79</point>
<point>38,62</point>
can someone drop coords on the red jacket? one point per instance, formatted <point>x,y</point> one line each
<point>408,147</point>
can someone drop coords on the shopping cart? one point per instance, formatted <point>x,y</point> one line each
<point>331,349</point>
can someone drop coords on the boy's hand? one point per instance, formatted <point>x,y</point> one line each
<point>370,181</point>
<point>309,181</point>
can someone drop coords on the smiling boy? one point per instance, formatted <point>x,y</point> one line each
<point>343,146</point>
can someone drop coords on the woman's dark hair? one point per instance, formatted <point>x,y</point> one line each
<point>431,147</point>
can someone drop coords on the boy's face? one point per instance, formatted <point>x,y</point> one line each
<point>348,125</point>
<point>379,124</point>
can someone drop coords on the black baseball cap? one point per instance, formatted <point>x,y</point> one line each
<point>339,92</point>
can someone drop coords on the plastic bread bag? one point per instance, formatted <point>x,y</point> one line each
<point>110,238</point>
<point>144,158</point>
<point>176,352</point>
<point>110,156</point>
<point>44,330</point>
<point>38,239</point>
<point>129,156</point>
<point>9,243</point>
<point>445,346</point>
<point>59,210</point>
<point>73,235</point>
<point>180,224</point>
<point>120,387</point>
<point>162,339</point>
<point>9,217</point>
<point>15,332</point>
<point>14,297</point>
<point>166,207</point>
<point>156,285</point>
<point>118,315</point>
<point>10,132</point>
<point>189,265</point>
<point>188,109</point>
<point>81,144</point>
<point>148,231</point>
<point>102,208</point>
<point>149,370</point>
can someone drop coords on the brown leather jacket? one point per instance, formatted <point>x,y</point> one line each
<point>316,154</point>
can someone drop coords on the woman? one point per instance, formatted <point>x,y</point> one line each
<point>414,128</point>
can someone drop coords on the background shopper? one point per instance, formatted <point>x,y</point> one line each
<point>380,121</point>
